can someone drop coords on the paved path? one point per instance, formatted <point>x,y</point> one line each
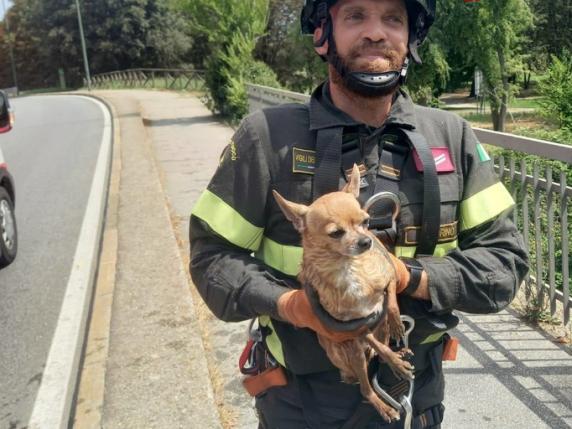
<point>170,357</point>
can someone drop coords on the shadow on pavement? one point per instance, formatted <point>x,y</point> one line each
<point>536,371</point>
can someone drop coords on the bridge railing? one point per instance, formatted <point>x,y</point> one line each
<point>179,79</point>
<point>542,212</point>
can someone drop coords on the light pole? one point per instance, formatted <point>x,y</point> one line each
<point>82,37</point>
<point>10,47</point>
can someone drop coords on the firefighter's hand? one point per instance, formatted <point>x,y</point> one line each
<point>294,307</point>
<point>401,272</point>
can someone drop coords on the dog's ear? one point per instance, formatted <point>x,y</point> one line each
<point>352,187</point>
<point>295,213</point>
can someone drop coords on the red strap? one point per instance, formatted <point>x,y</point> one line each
<point>245,353</point>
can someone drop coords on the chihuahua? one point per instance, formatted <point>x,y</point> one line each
<point>353,276</point>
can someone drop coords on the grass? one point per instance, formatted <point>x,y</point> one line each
<point>484,120</point>
<point>525,103</point>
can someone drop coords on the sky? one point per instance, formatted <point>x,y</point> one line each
<point>8,3</point>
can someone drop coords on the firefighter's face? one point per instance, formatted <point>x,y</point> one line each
<point>370,35</point>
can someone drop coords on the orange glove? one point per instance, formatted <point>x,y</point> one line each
<point>294,307</point>
<point>401,272</point>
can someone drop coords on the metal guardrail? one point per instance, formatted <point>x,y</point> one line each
<point>11,92</point>
<point>181,79</point>
<point>542,212</point>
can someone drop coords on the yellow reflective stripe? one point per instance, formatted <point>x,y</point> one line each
<point>286,259</point>
<point>405,251</point>
<point>484,206</point>
<point>440,250</point>
<point>433,338</point>
<point>272,341</point>
<point>227,222</point>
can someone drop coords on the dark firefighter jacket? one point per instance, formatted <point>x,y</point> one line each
<point>245,253</point>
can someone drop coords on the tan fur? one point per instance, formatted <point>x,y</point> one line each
<point>351,282</point>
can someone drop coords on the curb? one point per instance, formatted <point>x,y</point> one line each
<point>90,395</point>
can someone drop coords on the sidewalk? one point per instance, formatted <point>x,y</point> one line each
<point>171,364</point>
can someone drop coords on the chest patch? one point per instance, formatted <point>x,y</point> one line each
<point>303,161</point>
<point>442,158</point>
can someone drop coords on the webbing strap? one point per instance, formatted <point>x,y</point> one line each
<point>431,221</point>
<point>329,161</point>
<point>328,168</point>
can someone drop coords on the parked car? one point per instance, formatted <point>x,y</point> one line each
<point>8,230</point>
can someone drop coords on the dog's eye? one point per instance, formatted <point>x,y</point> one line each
<point>338,233</point>
<point>365,223</point>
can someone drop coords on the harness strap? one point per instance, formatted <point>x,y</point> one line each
<point>329,161</point>
<point>365,413</point>
<point>431,221</point>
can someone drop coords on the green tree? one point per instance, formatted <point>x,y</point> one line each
<point>427,81</point>
<point>296,63</point>
<point>556,88</point>
<point>229,30</point>
<point>491,35</point>
<point>120,34</point>
<point>27,55</point>
<point>553,32</point>
<point>125,34</point>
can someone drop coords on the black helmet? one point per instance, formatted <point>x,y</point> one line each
<point>421,15</point>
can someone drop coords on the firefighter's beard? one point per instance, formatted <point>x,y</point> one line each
<point>342,67</point>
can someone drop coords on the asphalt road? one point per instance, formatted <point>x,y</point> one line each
<point>52,154</point>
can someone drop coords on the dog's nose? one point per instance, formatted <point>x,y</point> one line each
<point>364,243</point>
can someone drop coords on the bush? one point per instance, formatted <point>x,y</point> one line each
<point>231,29</point>
<point>556,87</point>
<point>227,74</point>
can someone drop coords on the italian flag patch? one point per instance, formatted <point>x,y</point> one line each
<point>483,155</point>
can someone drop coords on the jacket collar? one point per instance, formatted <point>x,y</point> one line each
<point>324,114</point>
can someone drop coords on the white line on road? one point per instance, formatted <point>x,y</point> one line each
<point>53,401</point>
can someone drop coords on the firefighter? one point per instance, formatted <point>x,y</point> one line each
<point>457,246</point>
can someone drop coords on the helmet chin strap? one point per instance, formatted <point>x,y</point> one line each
<point>366,84</point>
<point>380,82</point>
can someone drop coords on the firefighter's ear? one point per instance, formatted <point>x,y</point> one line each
<point>352,187</point>
<point>295,213</point>
<point>323,49</point>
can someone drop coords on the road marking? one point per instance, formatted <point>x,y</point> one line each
<point>53,401</point>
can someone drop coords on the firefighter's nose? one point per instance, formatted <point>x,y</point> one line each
<point>364,243</point>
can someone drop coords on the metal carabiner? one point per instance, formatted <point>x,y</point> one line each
<point>385,196</point>
<point>254,334</point>
<point>404,405</point>
<point>411,322</point>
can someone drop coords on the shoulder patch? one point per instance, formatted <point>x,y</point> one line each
<point>303,161</point>
<point>442,158</point>
<point>483,155</point>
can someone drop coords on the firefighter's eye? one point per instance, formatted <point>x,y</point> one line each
<point>337,234</point>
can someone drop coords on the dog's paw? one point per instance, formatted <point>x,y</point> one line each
<point>396,326</point>
<point>397,330</point>
<point>400,366</point>
<point>387,412</point>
